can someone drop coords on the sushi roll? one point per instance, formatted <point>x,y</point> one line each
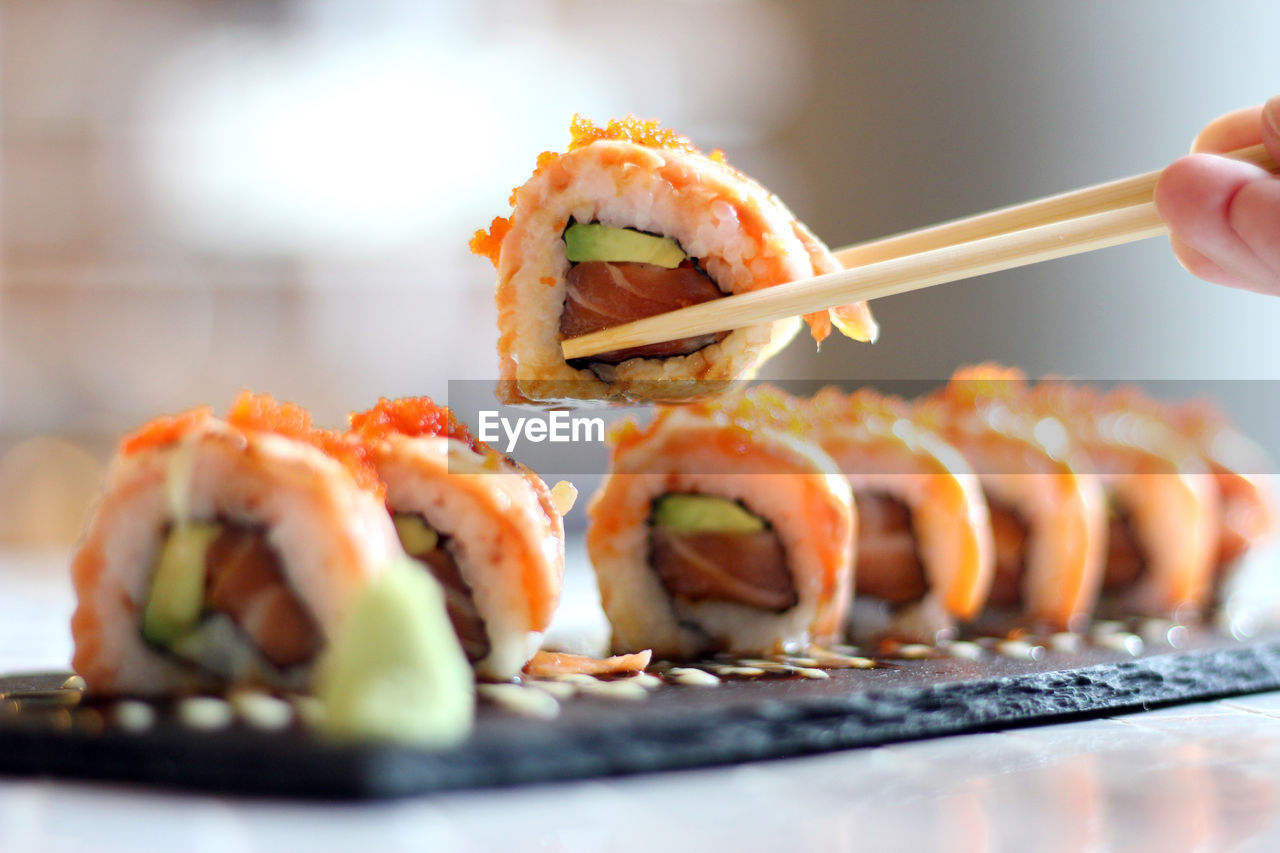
<point>722,528</point>
<point>1247,516</point>
<point>227,552</point>
<point>1162,502</point>
<point>633,221</point>
<point>488,529</point>
<point>1047,512</point>
<point>924,546</point>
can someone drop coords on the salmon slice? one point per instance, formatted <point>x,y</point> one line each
<point>466,619</point>
<point>746,568</point>
<point>602,294</point>
<point>1125,562</point>
<point>1009,533</point>
<point>244,580</point>
<point>888,565</point>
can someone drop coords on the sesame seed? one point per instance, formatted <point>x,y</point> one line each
<point>964,650</point>
<point>134,716</point>
<point>262,711</point>
<point>691,677</point>
<point>205,713</point>
<point>521,700</point>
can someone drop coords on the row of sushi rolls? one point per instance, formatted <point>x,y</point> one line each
<point>389,569</point>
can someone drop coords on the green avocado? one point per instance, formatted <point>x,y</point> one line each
<point>416,536</point>
<point>394,670</point>
<point>596,242</point>
<point>704,514</point>
<point>177,589</point>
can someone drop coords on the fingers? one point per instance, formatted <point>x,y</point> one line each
<point>1254,214</point>
<point>1224,217</point>
<point>1202,267</point>
<point>1271,127</point>
<point>1234,130</point>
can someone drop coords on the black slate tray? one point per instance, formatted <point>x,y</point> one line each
<point>45,732</point>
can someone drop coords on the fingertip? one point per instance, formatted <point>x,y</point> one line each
<point>1171,183</point>
<point>1200,186</point>
<point>1236,129</point>
<point>1195,196</point>
<point>1180,189</point>
<point>1271,127</point>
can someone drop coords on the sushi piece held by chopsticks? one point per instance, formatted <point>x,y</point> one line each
<point>633,221</point>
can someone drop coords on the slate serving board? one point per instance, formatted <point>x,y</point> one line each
<point>46,731</point>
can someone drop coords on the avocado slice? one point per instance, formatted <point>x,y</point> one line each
<point>395,670</point>
<point>686,513</point>
<point>177,589</point>
<point>596,242</point>
<point>416,536</point>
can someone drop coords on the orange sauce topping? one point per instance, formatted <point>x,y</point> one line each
<point>263,413</point>
<point>164,430</point>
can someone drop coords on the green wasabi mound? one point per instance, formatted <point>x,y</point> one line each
<point>177,589</point>
<point>395,669</point>
<point>683,513</point>
<point>596,242</point>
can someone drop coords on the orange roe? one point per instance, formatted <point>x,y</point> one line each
<point>488,244</point>
<point>263,413</point>
<point>984,383</point>
<point>166,429</point>
<point>413,417</point>
<point>416,417</point>
<point>646,132</point>
<point>863,405</point>
<point>762,406</point>
<point>583,132</point>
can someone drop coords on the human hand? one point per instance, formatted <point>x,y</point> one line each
<point>1224,215</point>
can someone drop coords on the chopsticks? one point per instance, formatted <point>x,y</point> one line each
<point>1091,218</point>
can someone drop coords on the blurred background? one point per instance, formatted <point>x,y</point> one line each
<point>205,196</point>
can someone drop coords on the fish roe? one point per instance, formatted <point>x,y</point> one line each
<point>488,244</point>
<point>760,407</point>
<point>263,413</point>
<point>165,430</point>
<point>414,417</point>
<point>582,132</point>
<point>646,132</point>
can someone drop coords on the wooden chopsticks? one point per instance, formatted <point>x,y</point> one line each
<point>1081,221</point>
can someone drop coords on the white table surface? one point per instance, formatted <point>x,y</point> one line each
<point>1193,777</point>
